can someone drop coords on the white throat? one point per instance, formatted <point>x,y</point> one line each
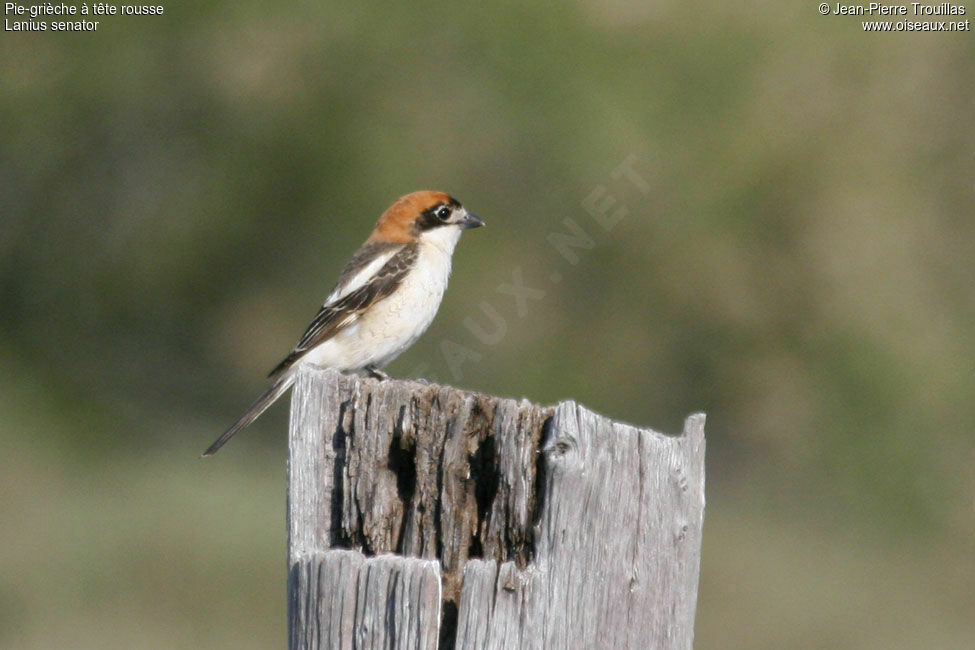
<point>444,238</point>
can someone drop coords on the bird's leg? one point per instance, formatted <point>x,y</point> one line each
<point>376,373</point>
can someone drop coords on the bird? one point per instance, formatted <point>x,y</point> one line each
<point>385,298</point>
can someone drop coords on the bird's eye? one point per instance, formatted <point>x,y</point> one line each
<point>443,213</point>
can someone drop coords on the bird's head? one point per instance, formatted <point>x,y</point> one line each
<point>425,215</point>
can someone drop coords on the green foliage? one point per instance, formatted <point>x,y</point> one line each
<point>179,192</point>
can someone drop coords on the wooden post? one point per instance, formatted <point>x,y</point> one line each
<point>422,516</point>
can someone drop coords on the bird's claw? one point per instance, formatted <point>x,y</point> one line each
<point>376,373</point>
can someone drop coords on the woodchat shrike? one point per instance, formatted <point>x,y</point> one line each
<point>384,300</point>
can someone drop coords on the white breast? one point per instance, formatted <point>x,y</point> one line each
<point>390,326</point>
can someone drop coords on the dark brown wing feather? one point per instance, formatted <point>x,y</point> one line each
<point>366,253</point>
<point>334,317</point>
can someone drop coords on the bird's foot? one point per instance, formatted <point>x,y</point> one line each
<point>376,373</point>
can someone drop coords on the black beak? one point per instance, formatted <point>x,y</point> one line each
<point>471,220</point>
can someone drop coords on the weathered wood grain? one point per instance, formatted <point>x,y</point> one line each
<point>549,527</point>
<point>617,548</point>
<point>341,599</point>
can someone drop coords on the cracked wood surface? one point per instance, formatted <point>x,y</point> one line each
<point>542,527</point>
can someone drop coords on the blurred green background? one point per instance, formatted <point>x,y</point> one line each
<point>178,193</point>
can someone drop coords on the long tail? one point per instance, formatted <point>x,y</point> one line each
<point>260,405</point>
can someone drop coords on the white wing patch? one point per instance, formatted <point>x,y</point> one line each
<point>362,277</point>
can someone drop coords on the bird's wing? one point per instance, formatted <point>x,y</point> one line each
<point>348,301</point>
<point>364,265</point>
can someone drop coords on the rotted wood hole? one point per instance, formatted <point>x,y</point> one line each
<point>423,516</point>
